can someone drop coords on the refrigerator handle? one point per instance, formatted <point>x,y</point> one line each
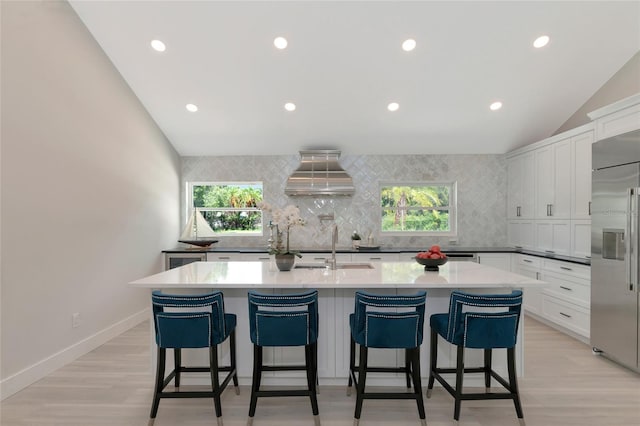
<point>631,240</point>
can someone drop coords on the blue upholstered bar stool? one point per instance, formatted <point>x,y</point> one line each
<point>469,325</point>
<point>192,321</point>
<point>284,320</point>
<point>374,324</point>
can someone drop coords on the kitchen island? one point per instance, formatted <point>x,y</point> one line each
<point>336,292</point>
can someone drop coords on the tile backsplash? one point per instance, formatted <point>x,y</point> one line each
<point>481,194</point>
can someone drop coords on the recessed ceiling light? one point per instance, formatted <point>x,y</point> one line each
<point>541,41</point>
<point>290,106</point>
<point>495,106</point>
<point>408,45</point>
<point>191,107</point>
<point>158,45</point>
<point>280,42</point>
<point>393,106</point>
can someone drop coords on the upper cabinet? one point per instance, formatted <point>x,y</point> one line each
<point>549,188</point>
<point>553,181</point>
<point>581,175</point>
<point>618,118</point>
<point>520,194</point>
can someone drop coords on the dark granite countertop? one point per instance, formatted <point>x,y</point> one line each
<point>385,249</point>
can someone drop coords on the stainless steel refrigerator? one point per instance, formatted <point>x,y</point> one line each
<point>615,244</point>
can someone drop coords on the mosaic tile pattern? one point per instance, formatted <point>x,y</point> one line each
<point>482,195</point>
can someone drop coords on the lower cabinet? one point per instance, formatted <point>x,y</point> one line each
<point>565,300</point>
<point>529,266</point>
<point>497,260</point>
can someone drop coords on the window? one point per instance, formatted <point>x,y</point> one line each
<point>228,207</point>
<point>427,208</point>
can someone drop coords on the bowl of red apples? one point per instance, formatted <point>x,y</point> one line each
<point>432,258</point>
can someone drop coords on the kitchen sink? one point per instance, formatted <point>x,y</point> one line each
<point>338,266</point>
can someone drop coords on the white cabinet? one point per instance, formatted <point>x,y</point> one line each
<point>521,186</point>
<point>375,257</point>
<point>497,260</point>
<point>581,175</point>
<point>581,238</point>
<point>323,256</point>
<point>529,266</point>
<point>256,257</point>
<point>521,233</point>
<point>553,236</point>
<point>566,301</point>
<point>618,118</point>
<point>553,181</point>
<point>561,196</point>
<point>224,257</point>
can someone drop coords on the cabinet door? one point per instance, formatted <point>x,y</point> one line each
<point>497,260</point>
<point>581,174</point>
<point>581,238</point>
<point>375,257</point>
<point>553,181</point>
<point>544,181</point>
<point>521,233</point>
<point>520,186</point>
<point>223,257</point>
<point>514,187</point>
<point>532,296</point>
<point>553,236</point>
<point>561,202</point>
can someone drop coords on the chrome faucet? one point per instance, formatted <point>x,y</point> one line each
<point>334,240</point>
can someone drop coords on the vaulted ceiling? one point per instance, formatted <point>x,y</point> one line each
<point>344,64</point>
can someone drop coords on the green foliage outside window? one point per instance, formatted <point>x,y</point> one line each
<point>417,208</point>
<point>229,207</point>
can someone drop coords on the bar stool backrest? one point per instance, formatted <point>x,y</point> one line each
<point>188,321</point>
<point>283,319</point>
<point>484,329</point>
<point>375,326</point>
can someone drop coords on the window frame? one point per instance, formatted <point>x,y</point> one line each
<point>189,205</point>
<point>452,208</point>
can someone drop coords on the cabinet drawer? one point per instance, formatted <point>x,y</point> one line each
<point>528,261</point>
<point>572,317</point>
<point>567,268</point>
<point>572,290</point>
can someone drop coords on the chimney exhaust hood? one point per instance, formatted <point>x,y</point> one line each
<point>319,174</point>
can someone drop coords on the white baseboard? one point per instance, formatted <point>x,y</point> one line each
<point>40,369</point>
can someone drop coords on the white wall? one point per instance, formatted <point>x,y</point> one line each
<point>624,83</point>
<point>90,193</point>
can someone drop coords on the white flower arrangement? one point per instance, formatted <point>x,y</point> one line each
<point>283,220</point>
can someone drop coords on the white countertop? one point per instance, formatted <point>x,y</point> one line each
<point>383,275</point>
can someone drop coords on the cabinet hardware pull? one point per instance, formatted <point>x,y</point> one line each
<point>527,260</point>
<point>224,257</point>
<point>518,211</point>
<point>565,315</point>
<point>566,288</point>
<point>589,208</point>
<point>318,258</point>
<point>537,275</point>
<point>549,251</point>
<point>375,258</point>
<point>565,268</point>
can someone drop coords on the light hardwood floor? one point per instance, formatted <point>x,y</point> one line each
<point>564,384</point>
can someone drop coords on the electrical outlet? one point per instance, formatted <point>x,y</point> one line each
<point>75,320</point>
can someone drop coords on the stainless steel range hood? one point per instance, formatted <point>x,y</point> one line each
<point>319,174</point>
